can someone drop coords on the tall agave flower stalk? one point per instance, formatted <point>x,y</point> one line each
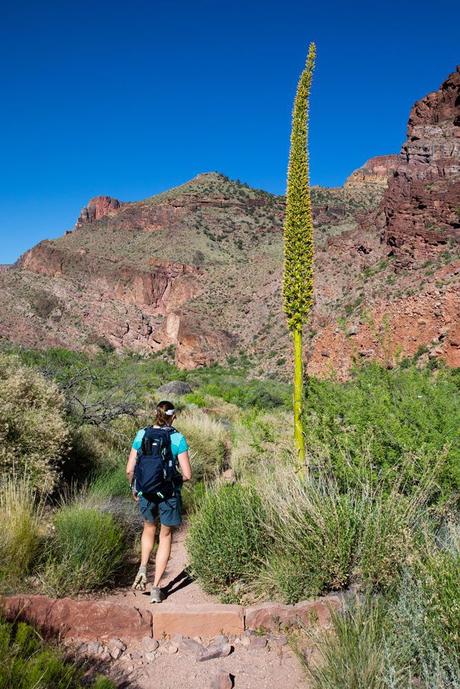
<point>298,243</point>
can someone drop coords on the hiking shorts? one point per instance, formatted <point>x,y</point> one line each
<point>169,511</point>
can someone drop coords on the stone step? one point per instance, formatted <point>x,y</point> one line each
<point>204,620</point>
<point>93,620</point>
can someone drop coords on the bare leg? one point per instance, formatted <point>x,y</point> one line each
<point>163,553</point>
<point>147,541</point>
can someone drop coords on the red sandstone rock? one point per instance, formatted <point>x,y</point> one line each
<point>83,620</point>
<point>275,616</point>
<point>205,621</point>
<point>432,132</point>
<point>376,171</point>
<point>165,286</point>
<point>97,208</point>
<point>419,210</point>
<point>197,343</point>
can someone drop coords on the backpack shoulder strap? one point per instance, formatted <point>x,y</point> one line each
<point>146,446</point>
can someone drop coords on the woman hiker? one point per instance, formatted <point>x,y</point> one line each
<point>156,483</point>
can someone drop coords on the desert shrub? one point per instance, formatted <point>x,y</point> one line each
<point>324,538</point>
<point>99,451</point>
<point>90,452</point>
<point>386,644</point>
<point>85,552</point>
<point>313,531</point>
<point>226,541</point>
<point>33,429</point>
<point>393,531</point>
<point>20,531</point>
<point>381,417</point>
<point>410,638</point>
<point>44,303</point>
<point>353,653</point>
<point>29,663</point>
<point>208,440</point>
<point>262,394</point>
<point>193,494</point>
<point>260,439</point>
<point>111,483</point>
<point>437,576</point>
<point>424,643</point>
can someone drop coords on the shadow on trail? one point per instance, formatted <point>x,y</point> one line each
<point>179,582</point>
<point>182,580</point>
<point>92,668</point>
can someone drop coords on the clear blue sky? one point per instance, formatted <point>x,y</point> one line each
<point>130,98</point>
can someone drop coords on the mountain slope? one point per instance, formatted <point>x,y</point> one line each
<point>200,266</point>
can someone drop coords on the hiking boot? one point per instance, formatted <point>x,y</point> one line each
<point>156,595</point>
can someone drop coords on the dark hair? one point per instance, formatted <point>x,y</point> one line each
<point>161,418</point>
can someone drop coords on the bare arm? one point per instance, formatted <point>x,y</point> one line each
<point>184,463</point>
<point>131,464</point>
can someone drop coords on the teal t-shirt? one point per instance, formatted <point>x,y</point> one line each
<point>178,442</point>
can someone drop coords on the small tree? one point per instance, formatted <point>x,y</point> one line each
<point>33,428</point>
<point>298,241</point>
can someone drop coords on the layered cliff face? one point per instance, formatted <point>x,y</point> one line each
<point>200,266</point>
<point>411,299</point>
<point>420,211</point>
<point>98,208</point>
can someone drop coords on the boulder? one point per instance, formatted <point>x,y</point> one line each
<point>192,646</point>
<point>175,387</point>
<point>150,645</point>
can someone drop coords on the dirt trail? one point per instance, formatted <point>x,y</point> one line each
<point>176,584</point>
<point>252,664</point>
<point>265,668</point>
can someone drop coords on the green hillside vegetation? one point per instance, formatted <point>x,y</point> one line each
<point>380,511</point>
<point>207,232</point>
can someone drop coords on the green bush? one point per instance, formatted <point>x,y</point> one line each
<point>314,532</point>
<point>353,654</point>
<point>261,394</point>
<point>111,483</point>
<point>20,532</point>
<point>85,552</point>
<point>379,420</point>
<point>29,663</point>
<point>226,541</point>
<point>323,539</point>
<point>208,440</point>
<point>33,430</point>
<point>411,638</point>
<point>193,494</point>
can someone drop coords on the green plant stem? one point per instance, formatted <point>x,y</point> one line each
<point>298,400</point>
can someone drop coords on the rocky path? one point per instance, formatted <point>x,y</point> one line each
<point>176,584</point>
<point>247,662</point>
<point>252,663</point>
<point>188,641</point>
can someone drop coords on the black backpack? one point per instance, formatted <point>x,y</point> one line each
<point>155,474</point>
